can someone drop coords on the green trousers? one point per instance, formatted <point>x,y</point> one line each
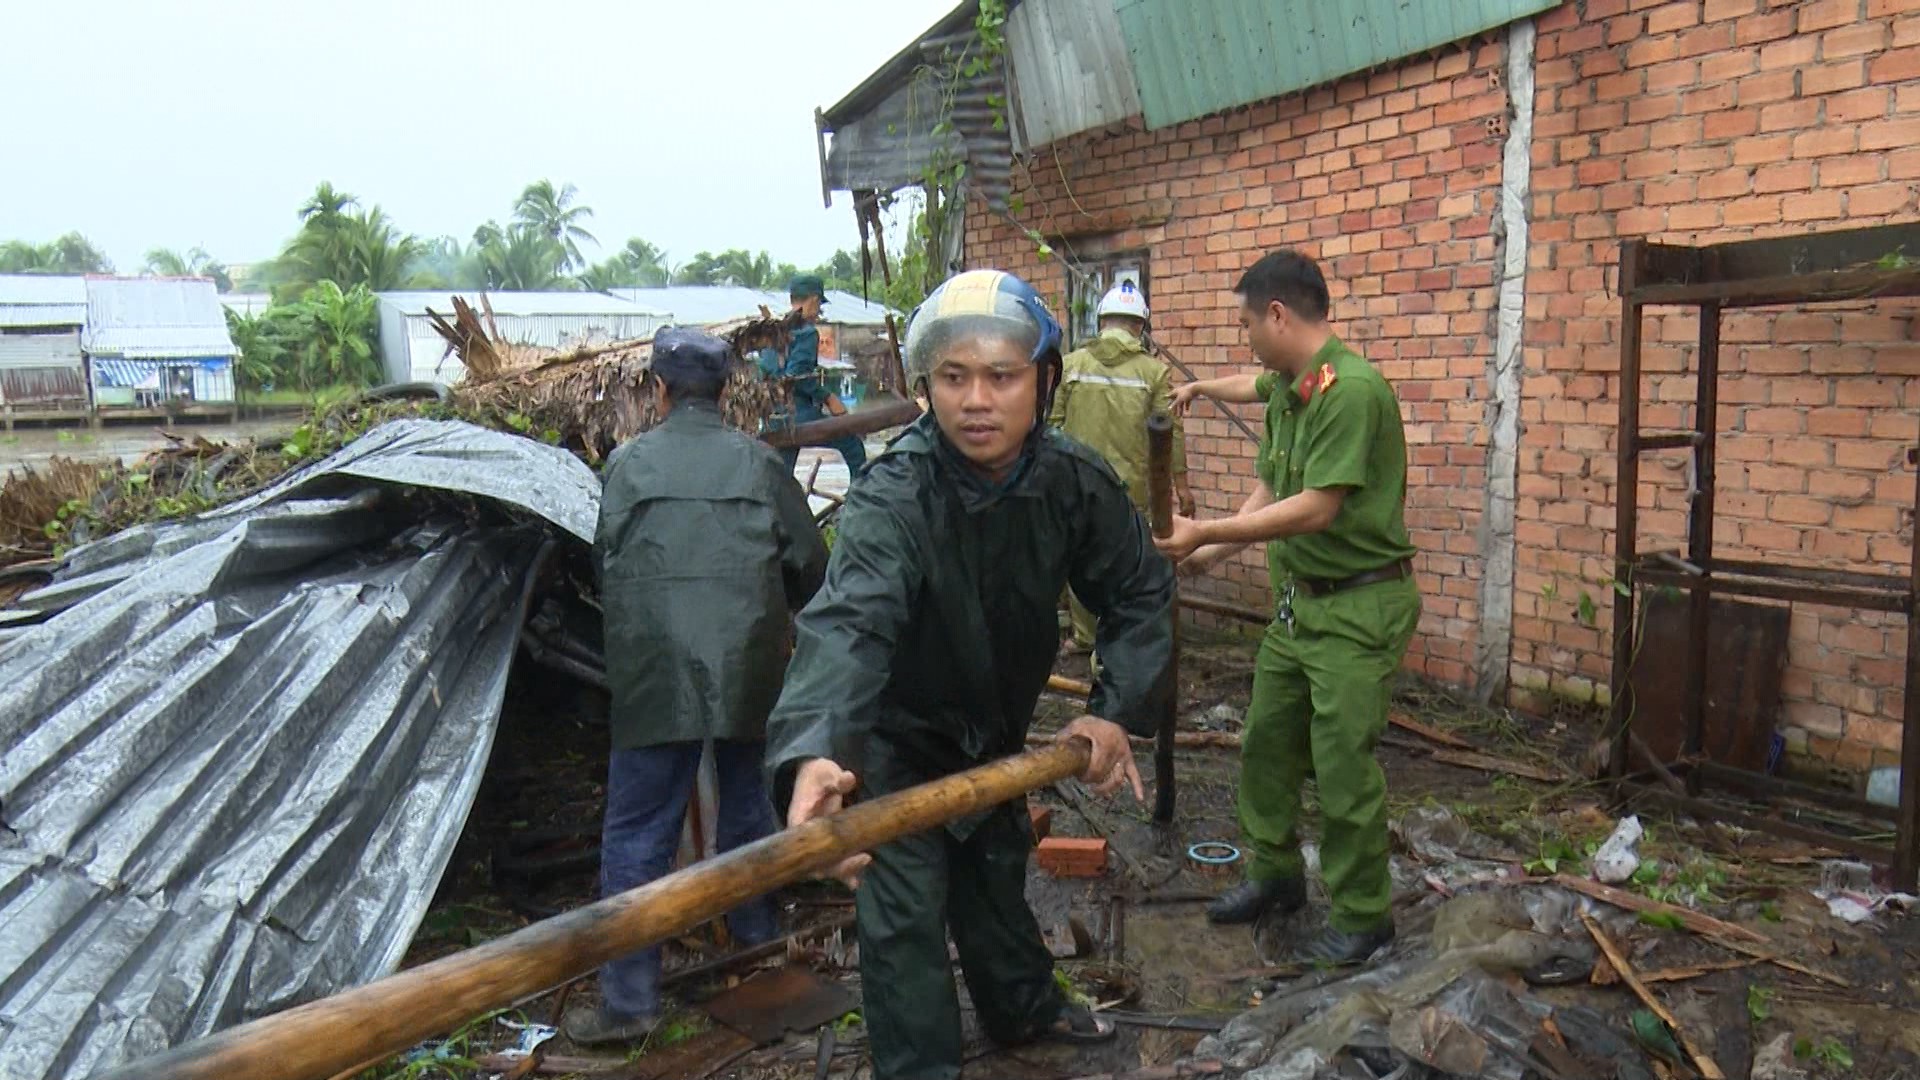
<point>917,890</point>
<point>1321,688</point>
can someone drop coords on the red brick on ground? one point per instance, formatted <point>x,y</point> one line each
<point>1067,856</point>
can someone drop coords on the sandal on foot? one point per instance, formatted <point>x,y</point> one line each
<point>1077,1024</point>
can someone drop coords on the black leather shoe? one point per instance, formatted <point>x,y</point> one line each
<point>1247,901</point>
<point>1335,946</point>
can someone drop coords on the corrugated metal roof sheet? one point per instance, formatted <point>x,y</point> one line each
<point>240,748</point>
<point>42,300</point>
<point>519,303</point>
<point>705,305</point>
<point>884,131</point>
<point>1194,57</point>
<point>153,318</point>
<point>1071,72</point>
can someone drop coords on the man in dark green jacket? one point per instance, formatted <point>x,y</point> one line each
<point>925,653</point>
<point>705,547</point>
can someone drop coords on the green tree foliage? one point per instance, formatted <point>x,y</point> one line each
<point>342,243</point>
<point>324,338</point>
<point>556,213</point>
<point>70,254</point>
<point>166,262</point>
<point>753,270</point>
<point>520,258</point>
<point>638,265</point>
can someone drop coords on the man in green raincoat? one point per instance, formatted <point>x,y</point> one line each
<point>705,546</point>
<point>1107,391</point>
<point>1333,470</point>
<point>928,647</point>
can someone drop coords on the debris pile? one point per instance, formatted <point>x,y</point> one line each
<point>594,396</point>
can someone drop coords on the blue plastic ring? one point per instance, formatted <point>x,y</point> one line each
<point>1198,853</point>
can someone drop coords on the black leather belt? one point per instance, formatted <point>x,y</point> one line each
<point>1324,587</point>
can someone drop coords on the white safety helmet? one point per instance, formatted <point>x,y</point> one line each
<point>1124,299</point>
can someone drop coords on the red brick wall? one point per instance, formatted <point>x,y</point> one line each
<point>1695,122</point>
<point>1391,180</point>
<point>1688,121</point>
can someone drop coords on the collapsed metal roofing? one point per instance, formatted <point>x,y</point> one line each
<point>240,748</point>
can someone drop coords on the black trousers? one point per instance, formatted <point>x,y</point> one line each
<point>917,890</point>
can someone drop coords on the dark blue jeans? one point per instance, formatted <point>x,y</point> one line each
<point>850,448</point>
<point>647,794</point>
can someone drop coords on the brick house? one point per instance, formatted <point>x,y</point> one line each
<point>1181,149</point>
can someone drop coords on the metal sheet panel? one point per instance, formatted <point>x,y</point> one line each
<point>42,300</point>
<point>40,350</point>
<point>155,318</point>
<point>36,387</point>
<point>706,305</point>
<point>240,748</point>
<point>1194,57</point>
<point>1071,71</point>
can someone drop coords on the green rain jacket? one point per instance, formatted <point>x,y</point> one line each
<point>932,640</point>
<point>705,545</point>
<point>1107,391</point>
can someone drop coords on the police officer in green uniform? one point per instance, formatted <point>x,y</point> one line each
<point>928,647</point>
<point>1333,466</point>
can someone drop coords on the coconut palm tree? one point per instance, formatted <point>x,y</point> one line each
<point>638,264</point>
<point>520,258</point>
<point>69,254</point>
<point>556,214</point>
<point>166,262</point>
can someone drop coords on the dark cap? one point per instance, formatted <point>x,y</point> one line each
<point>807,285</point>
<point>684,353</point>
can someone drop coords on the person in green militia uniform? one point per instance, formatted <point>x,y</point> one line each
<point>1333,470</point>
<point>1108,390</point>
<point>929,645</point>
<point>800,367</point>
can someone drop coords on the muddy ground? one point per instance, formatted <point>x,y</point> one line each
<point>529,850</point>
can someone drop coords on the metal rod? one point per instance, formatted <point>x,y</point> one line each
<point>1906,862</point>
<point>1158,349</point>
<point>1700,533</point>
<point>1626,504</point>
<point>1770,789</point>
<point>1831,287</point>
<point>1668,440</point>
<point>1160,516</point>
<point>1707,808</point>
<point>1897,583</point>
<point>319,1039</point>
<point>1761,589</point>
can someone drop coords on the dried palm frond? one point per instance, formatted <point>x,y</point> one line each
<point>596,395</point>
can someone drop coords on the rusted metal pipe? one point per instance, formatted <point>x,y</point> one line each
<point>1160,516</point>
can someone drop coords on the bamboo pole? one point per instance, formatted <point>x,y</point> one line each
<point>320,1039</point>
<point>1160,514</point>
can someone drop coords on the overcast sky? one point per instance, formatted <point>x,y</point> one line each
<point>189,122</point>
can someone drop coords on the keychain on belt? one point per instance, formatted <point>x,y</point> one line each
<point>1286,607</point>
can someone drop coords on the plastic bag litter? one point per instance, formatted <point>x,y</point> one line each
<point>1616,860</point>
<point>1774,1061</point>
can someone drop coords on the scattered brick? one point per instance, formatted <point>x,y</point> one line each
<point>1072,857</point>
